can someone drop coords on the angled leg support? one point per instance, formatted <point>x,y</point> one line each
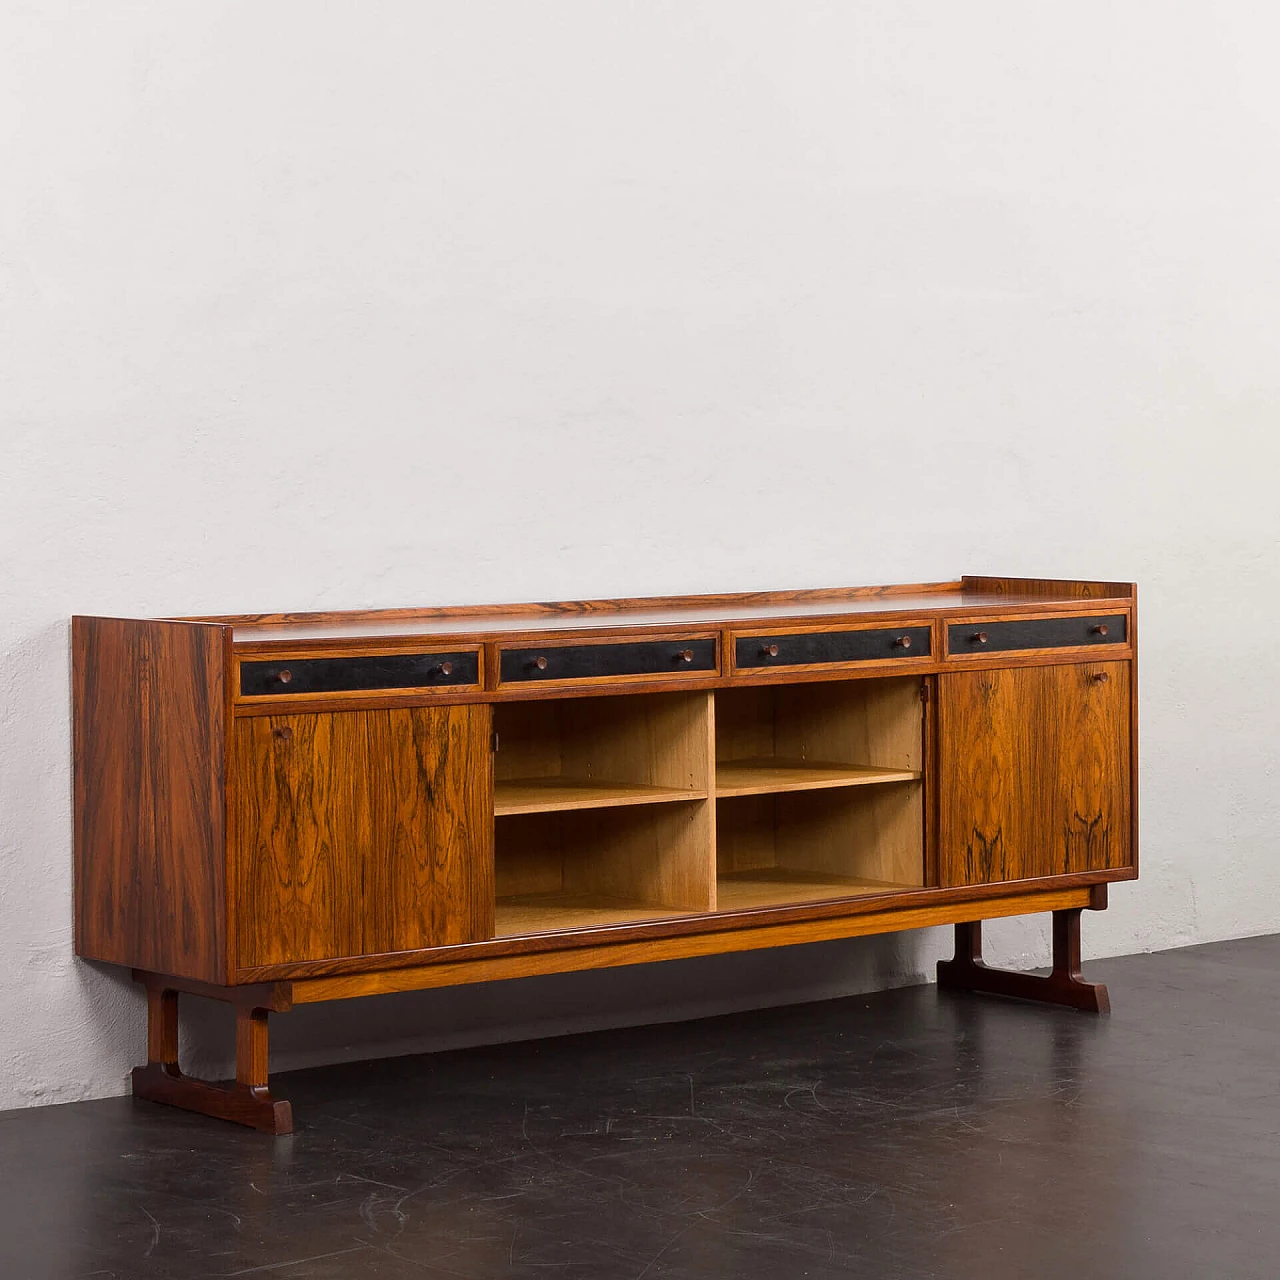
<point>247,1101</point>
<point>1064,985</point>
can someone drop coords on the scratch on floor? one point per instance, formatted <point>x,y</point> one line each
<point>373,1204</point>
<point>373,1182</point>
<point>648,1266</point>
<point>294,1262</point>
<point>155,1234</point>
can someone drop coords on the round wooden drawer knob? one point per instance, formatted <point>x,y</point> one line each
<point>1100,677</point>
<point>980,637</point>
<point>769,650</point>
<point>685,655</point>
<point>1100,629</point>
<point>285,676</point>
<point>540,663</point>
<point>902,642</point>
<point>445,668</point>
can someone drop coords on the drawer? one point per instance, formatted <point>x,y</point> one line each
<point>829,648</point>
<point>617,659</point>
<point>969,638</point>
<point>281,677</point>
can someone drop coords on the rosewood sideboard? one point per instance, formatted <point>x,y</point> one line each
<point>278,809</point>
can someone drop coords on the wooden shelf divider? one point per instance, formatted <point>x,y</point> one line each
<point>783,886</point>
<point>550,912</point>
<point>769,775</point>
<point>554,795</point>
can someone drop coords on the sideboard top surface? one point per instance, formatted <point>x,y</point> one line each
<point>968,595</point>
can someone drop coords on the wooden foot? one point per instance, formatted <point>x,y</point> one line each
<point>1064,985</point>
<point>246,1102</point>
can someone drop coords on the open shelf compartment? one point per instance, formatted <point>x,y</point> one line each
<point>632,808</point>
<point>814,846</point>
<point>808,737</point>
<point>579,869</point>
<point>820,791</point>
<point>597,753</point>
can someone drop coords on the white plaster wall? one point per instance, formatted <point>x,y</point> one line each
<point>338,305</point>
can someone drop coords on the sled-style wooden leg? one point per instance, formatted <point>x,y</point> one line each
<point>1064,985</point>
<point>248,1100</point>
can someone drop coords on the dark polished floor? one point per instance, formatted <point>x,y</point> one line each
<point>909,1134</point>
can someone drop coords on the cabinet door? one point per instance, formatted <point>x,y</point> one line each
<point>1034,772</point>
<point>362,832</point>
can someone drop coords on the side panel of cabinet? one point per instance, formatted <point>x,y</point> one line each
<point>362,832</point>
<point>149,703</point>
<point>1034,772</point>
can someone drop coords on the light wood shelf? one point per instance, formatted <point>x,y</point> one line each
<point>779,886</point>
<point>552,795</point>
<point>767,775</point>
<point>548,912</point>
<point>569,869</point>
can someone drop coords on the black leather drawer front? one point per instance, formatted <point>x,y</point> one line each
<point>363,674</point>
<point>588,661</point>
<point>1035,633</point>
<point>816,648</point>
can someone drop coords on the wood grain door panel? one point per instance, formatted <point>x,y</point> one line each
<point>1034,772</point>
<point>362,832</point>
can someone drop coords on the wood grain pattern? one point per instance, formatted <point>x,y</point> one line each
<point>272,995</point>
<point>659,859</point>
<point>773,886</point>
<point>930,796</point>
<point>148,715</point>
<point>746,834</point>
<point>846,722</point>
<point>1052,588</point>
<point>251,1106</point>
<point>302,823</point>
<point>251,1048</point>
<point>760,777</point>
<point>647,741</point>
<point>552,912</point>
<point>255,633</point>
<point>1064,985</point>
<point>607,955</point>
<point>871,833</point>
<point>873,723</point>
<point>874,833</point>
<point>362,832</point>
<point>663,854</point>
<point>553,795</point>
<point>247,1101</point>
<point>590,608</point>
<point>1034,772</point>
<point>683,923</point>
